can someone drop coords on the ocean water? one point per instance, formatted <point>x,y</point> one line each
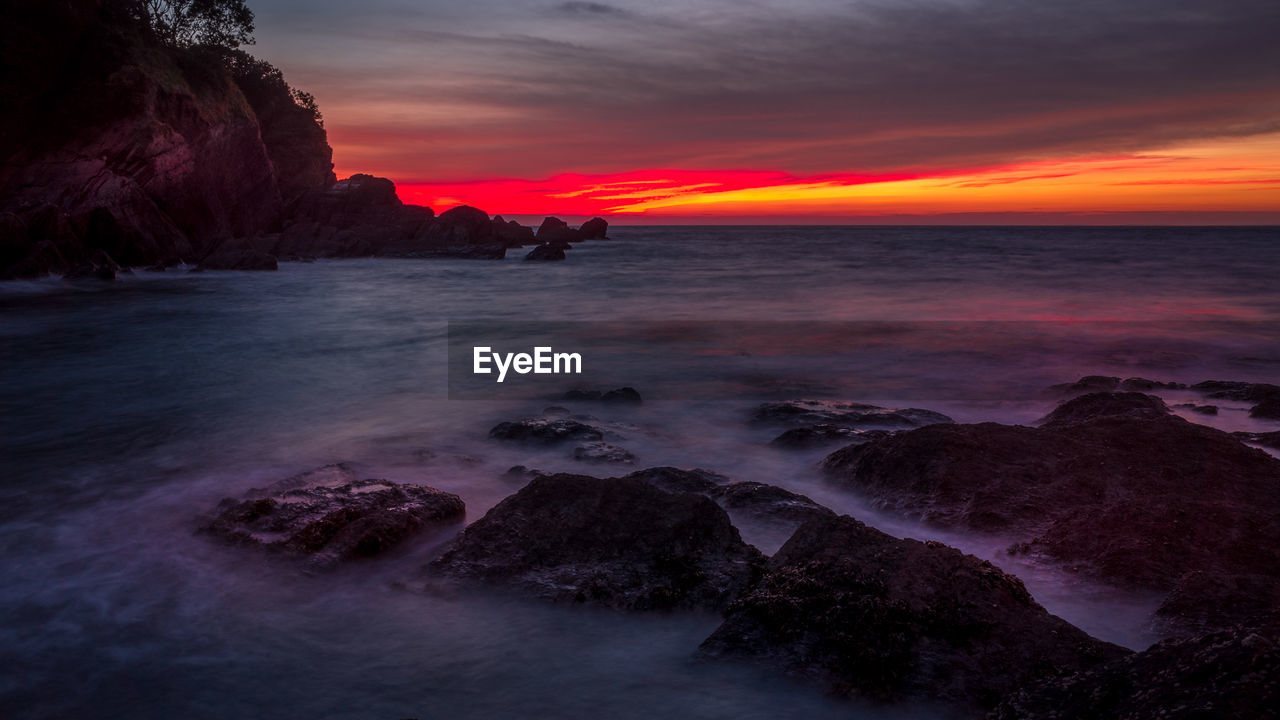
<point>128,409</point>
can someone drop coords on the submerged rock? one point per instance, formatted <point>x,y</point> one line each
<point>546,431</point>
<point>1229,674</point>
<point>545,253</point>
<point>1111,484</point>
<point>875,617</point>
<point>844,414</point>
<point>329,517</point>
<point>603,453</point>
<point>810,436</point>
<point>620,543</point>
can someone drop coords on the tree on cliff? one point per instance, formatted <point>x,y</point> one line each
<point>185,23</point>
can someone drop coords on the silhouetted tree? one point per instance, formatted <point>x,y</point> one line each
<point>185,23</point>
<point>264,85</point>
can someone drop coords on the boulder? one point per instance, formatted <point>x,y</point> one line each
<point>545,431</point>
<point>556,230</point>
<point>1230,674</point>
<point>327,516</point>
<point>1240,391</point>
<point>677,480</point>
<point>1267,409</point>
<point>594,229</point>
<point>1137,384</point>
<point>544,253</point>
<point>811,436</point>
<point>603,453</point>
<point>511,233</point>
<point>874,617</point>
<point>796,413</point>
<point>620,543</point>
<point>767,502</point>
<point>1086,384</point>
<point>1111,484</point>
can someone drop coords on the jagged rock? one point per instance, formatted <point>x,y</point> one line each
<point>871,616</point>
<point>797,413</point>
<point>1111,484</point>
<point>601,452</point>
<point>544,253</point>
<point>677,480</point>
<point>594,229</point>
<point>327,516</point>
<point>620,543</point>
<point>546,431</point>
<point>554,230</point>
<point>1136,384</point>
<point>1086,384</point>
<point>810,436</point>
<point>768,502</point>
<point>1229,674</point>
<point>511,233</point>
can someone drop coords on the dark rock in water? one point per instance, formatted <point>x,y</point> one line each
<point>594,229</point>
<point>810,436</point>
<point>1136,384</point>
<point>1240,391</point>
<point>797,413</point>
<point>556,230</point>
<point>545,431</point>
<point>1086,384</point>
<point>1208,601</point>
<point>767,502</point>
<point>239,260</point>
<point>619,543</point>
<point>474,221</point>
<point>1267,409</point>
<point>604,453</point>
<point>520,473</point>
<point>1111,484</point>
<point>1268,439</point>
<point>670,479</point>
<point>511,233</point>
<point>328,517</point>
<point>875,617</point>
<point>544,253</point>
<point>1229,674</point>
<point>100,267</point>
<point>1199,409</point>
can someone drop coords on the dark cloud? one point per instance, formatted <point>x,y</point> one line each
<point>817,87</point>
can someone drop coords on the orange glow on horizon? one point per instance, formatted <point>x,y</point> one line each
<point>1240,175</point>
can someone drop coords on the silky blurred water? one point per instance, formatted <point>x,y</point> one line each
<point>129,408</point>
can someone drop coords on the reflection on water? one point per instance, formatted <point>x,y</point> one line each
<point>128,408</point>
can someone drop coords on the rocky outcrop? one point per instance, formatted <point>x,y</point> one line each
<point>811,436</point>
<point>511,233</point>
<point>1209,600</point>
<point>767,502</point>
<point>1264,396</point>
<point>545,253</point>
<point>122,146</point>
<point>1230,674</point>
<point>1111,484</point>
<point>554,230</point>
<point>678,480</point>
<point>594,229</point>
<point>329,516</point>
<point>546,431</point>
<point>620,543</point>
<point>871,616</point>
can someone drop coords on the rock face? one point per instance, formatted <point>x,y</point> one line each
<point>1229,674</point>
<point>874,617</point>
<point>594,229</point>
<point>619,543</point>
<point>554,230</point>
<point>328,516</point>
<point>115,144</point>
<point>1111,484</point>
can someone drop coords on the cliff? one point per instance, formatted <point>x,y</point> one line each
<point>117,144</point>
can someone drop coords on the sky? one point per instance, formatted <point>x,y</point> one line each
<point>807,111</point>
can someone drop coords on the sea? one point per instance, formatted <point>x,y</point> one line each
<point>129,408</point>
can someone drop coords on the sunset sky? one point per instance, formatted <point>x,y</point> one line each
<point>966,111</point>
